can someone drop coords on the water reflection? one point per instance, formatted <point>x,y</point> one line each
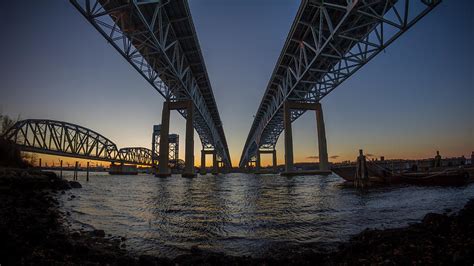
<point>244,214</point>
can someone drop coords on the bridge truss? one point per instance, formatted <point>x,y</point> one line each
<point>66,139</point>
<point>328,42</point>
<point>157,37</point>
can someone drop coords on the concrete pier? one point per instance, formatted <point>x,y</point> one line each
<point>288,138</point>
<point>203,161</point>
<point>215,166</point>
<point>258,163</point>
<point>189,145</point>
<point>322,144</point>
<point>163,167</point>
<point>321,131</point>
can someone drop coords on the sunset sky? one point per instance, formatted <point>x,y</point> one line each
<point>411,100</point>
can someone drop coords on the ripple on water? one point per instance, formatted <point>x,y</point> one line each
<point>242,214</point>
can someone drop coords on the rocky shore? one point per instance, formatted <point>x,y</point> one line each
<point>32,232</point>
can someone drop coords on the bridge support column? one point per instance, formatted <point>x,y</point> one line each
<point>257,161</point>
<point>322,144</point>
<point>274,157</point>
<point>288,138</point>
<point>203,162</point>
<point>163,167</point>
<point>321,131</point>
<point>215,166</point>
<point>189,149</point>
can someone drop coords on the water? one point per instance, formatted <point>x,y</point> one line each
<point>244,214</point>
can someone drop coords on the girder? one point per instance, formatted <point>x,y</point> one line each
<point>136,155</point>
<point>66,139</point>
<point>328,42</point>
<point>159,40</point>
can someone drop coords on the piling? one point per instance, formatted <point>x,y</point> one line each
<point>362,173</point>
<point>40,163</point>
<point>61,169</point>
<point>87,172</point>
<point>75,171</point>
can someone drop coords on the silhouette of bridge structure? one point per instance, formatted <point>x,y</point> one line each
<point>70,140</point>
<point>328,42</point>
<point>159,40</point>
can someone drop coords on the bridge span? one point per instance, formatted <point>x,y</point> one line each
<point>159,40</point>
<point>328,42</point>
<point>70,140</point>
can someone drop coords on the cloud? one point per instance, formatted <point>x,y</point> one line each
<point>317,157</point>
<point>370,155</point>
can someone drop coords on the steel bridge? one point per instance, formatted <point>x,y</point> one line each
<point>328,42</point>
<point>70,140</point>
<point>157,37</point>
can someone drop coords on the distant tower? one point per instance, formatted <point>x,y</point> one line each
<point>173,146</point>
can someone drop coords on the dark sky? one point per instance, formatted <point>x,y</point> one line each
<point>411,100</point>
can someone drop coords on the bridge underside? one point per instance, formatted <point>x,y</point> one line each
<point>159,40</point>
<point>328,42</point>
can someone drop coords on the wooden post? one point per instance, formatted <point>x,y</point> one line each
<point>362,174</point>
<point>75,171</point>
<point>61,169</point>
<point>87,174</point>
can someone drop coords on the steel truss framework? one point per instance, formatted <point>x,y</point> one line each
<point>173,140</point>
<point>328,42</point>
<point>158,39</point>
<point>66,139</point>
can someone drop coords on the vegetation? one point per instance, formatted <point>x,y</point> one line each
<point>10,154</point>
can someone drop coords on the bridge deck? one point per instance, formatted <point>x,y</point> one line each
<point>160,42</point>
<point>328,42</point>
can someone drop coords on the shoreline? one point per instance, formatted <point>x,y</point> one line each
<point>34,232</point>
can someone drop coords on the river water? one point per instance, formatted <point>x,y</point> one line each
<point>244,214</point>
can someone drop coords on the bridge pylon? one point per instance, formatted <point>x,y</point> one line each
<point>163,167</point>
<point>321,132</point>
<point>258,160</point>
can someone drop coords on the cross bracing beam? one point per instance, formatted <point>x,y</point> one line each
<point>137,155</point>
<point>159,40</point>
<point>70,140</point>
<point>328,42</point>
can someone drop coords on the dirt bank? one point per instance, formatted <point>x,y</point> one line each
<point>32,232</point>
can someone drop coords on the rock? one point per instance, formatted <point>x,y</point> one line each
<point>76,234</point>
<point>195,249</point>
<point>99,233</point>
<point>75,184</point>
<point>146,260</point>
